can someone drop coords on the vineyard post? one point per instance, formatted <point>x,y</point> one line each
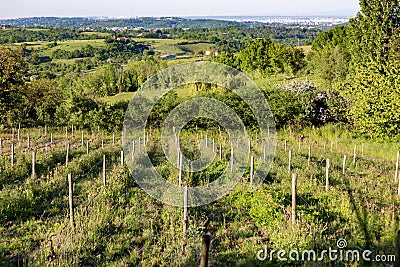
<point>206,141</point>
<point>144,140</point>
<point>285,145</point>
<point>331,146</point>
<point>290,161</point>
<point>33,164</point>
<point>251,170</point>
<point>12,155</point>
<point>327,175</point>
<point>82,139</point>
<point>213,145</point>
<point>249,146</point>
<point>133,150</point>
<point>102,144</point>
<point>72,130</point>
<point>29,142</point>
<point>220,152</point>
<point>205,248</point>
<point>122,158</point>
<point>180,169</point>
<point>344,164</point>
<point>66,134</point>
<point>1,147</point>
<point>87,147</point>
<point>67,156</point>
<point>51,138</point>
<point>299,144</point>
<point>45,130</point>
<point>309,155</point>
<point>113,139</point>
<point>19,135</point>
<point>104,170</point>
<point>232,158</point>
<point>264,152</point>
<point>70,200</point>
<point>396,173</point>
<point>355,155</point>
<point>185,216</point>
<point>294,194</point>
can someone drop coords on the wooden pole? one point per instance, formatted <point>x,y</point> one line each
<point>87,147</point>
<point>29,142</point>
<point>185,216</point>
<point>113,139</point>
<point>232,158</point>
<point>180,169</point>
<point>290,161</point>
<point>12,155</point>
<point>285,145</point>
<point>264,152</point>
<point>33,164</point>
<point>67,156</point>
<point>249,146</point>
<point>51,138</point>
<point>327,175</point>
<point>309,155</point>
<point>66,134</point>
<point>355,155</point>
<point>72,130</point>
<point>251,170</point>
<point>104,170</point>
<point>133,150</point>
<point>205,248</point>
<point>294,194</point>
<point>396,173</point>
<point>344,164</point>
<point>122,158</point>
<point>206,141</point>
<point>19,135</point>
<point>71,200</point>
<point>220,152</point>
<point>45,130</point>
<point>82,139</point>
<point>13,134</point>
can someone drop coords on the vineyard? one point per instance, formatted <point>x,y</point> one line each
<point>68,198</point>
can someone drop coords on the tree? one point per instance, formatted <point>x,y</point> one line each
<point>12,71</point>
<point>373,85</point>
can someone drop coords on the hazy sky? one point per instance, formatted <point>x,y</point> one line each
<point>131,8</point>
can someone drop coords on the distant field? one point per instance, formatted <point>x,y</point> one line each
<point>102,34</point>
<point>171,46</point>
<point>72,45</point>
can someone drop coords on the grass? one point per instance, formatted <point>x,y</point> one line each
<point>120,225</point>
